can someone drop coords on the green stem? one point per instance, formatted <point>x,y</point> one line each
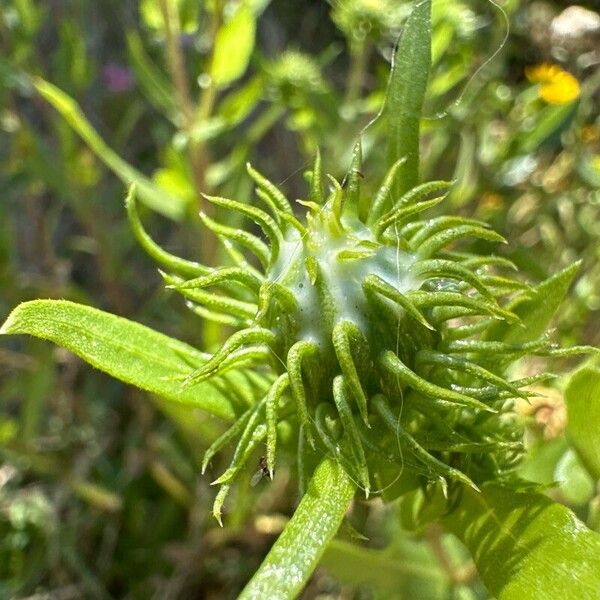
<point>209,94</point>
<point>297,551</point>
<point>175,60</point>
<point>179,77</point>
<point>359,58</point>
<point>191,116</point>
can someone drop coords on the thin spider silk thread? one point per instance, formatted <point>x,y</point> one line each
<point>444,113</point>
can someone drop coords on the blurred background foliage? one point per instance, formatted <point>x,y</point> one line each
<point>100,492</point>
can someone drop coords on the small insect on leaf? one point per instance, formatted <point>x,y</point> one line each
<point>262,471</point>
<point>351,173</point>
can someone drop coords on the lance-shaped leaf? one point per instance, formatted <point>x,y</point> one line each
<point>583,409</point>
<point>527,547</point>
<point>124,349</point>
<point>154,197</point>
<point>297,551</point>
<point>405,94</point>
<point>535,309</point>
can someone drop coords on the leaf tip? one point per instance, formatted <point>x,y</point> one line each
<point>218,517</point>
<point>130,198</point>
<point>8,327</point>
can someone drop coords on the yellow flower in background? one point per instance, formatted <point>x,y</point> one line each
<point>556,86</point>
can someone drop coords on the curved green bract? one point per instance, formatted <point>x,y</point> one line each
<point>527,547</point>
<point>126,350</point>
<point>297,551</point>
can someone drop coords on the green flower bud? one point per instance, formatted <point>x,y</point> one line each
<point>374,327</point>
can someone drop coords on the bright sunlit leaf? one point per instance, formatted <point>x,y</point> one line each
<point>233,47</point>
<point>527,547</point>
<point>126,350</point>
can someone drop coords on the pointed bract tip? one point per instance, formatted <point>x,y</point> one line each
<point>310,439</point>
<point>207,197</point>
<point>131,194</point>
<point>475,487</point>
<point>224,477</point>
<point>427,324</point>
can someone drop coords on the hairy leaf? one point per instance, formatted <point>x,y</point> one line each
<point>405,94</point>
<point>126,350</point>
<point>297,551</point>
<point>535,313</point>
<point>527,547</point>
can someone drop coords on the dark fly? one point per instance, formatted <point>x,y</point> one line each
<point>262,471</point>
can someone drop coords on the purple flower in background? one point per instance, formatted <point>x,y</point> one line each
<point>117,78</point>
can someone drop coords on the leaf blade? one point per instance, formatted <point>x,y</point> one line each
<point>535,313</point>
<point>526,547</point>
<point>157,88</point>
<point>406,93</point>
<point>129,351</point>
<point>298,549</point>
<point>233,47</point>
<point>583,411</point>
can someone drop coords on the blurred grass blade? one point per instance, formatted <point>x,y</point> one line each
<point>154,197</point>
<point>156,86</point>
<point>535,313</point>
<point>526,546</point>
<point>96,495</point>
<point>233,47</point>
<point>405,95</point>
<point>297,551</point>
<point>551,120</point>
<point>236,106</point>
<point>583,409</point>
<point>124,349</point>
<point>401,566</point>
